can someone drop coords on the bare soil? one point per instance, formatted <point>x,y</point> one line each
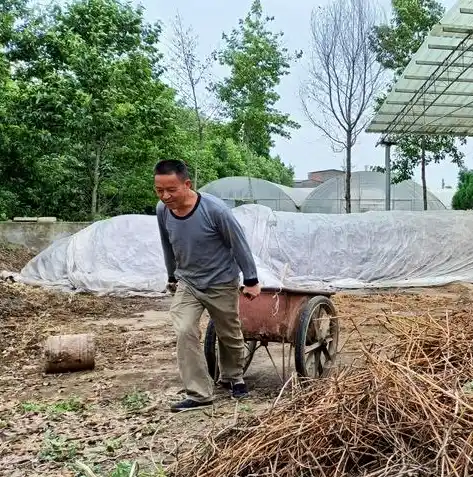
<point>119,411</point>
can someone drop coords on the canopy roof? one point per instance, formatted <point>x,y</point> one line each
<point>434,95</point>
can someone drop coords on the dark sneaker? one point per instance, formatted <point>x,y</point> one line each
<point>190,405</point>
<point>240,391</point>
<point>227,385</point>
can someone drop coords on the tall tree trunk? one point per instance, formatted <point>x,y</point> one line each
<point>95,186</point>
<point>200,126</point>
<point>200,129</point>
<point>424,181</point>
<point>348,174</point>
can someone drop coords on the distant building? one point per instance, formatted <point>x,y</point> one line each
<point>305,184</point>
<point>316,178</point>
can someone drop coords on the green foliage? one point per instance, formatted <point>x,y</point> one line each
<point>135,401</point>
<point>409,153</point>
<point>85,114</point>
<point>463,198</point>
<point>10,11</point>
<point>122,469</point>
<point>91,98</point>
<point>72,404</point>
<point>257,62</point>
<point>394,45</point>
<point>56,448</point>
<point>235,159</point>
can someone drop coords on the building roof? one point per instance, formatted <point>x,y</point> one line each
<point>434,95</point>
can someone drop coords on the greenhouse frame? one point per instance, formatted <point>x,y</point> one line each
<point>367,194</point>
<point>239,190</point>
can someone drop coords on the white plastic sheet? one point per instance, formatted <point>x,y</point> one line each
<point>123,255</point>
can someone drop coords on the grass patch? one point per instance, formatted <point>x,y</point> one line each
<point>56,449</point>
<point>246,408</point>
<point>111,445</point>
<point>72,404</point>
<point>135,401</point>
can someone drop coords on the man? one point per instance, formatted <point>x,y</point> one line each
<point>204,248</point>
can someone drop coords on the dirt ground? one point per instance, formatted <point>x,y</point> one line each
<point>117,413</point>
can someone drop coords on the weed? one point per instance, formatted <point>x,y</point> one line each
<point>245,408</point>
<point>121,469</point>
<point>56,448</point>
<point>91,470</point>
<point>72,404</point>
<point>32,407</point>
<point>135,401</point>
<point>112,445</point>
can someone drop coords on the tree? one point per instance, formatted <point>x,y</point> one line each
<point>463,198</point>
<point>85,114</point>
<point>190,74</point>
<point>10,12</point>
<point>394,45</point>
<point>412,20</point>
<point>343,75</point>
<point>190,77</point>
<point>257,61</point>
<point>89,76</point>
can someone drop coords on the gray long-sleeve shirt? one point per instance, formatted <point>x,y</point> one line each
<point>207,246</point>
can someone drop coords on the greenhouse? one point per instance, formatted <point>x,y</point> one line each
<point>235,191</point>
<point>367,194</point>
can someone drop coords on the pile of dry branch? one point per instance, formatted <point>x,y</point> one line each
<point>408,411</point>
<point>14,257</point>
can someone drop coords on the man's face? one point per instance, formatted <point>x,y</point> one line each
<point>171,189</point>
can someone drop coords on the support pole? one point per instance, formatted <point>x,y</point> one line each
<point>387,165</point>
<point>387,143</point>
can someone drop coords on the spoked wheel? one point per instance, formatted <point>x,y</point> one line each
<point>211,352</point>
<point>316,340</point>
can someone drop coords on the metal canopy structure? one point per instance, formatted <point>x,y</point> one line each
<point>434,95</point>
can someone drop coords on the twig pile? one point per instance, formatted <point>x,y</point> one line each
<point>408,411</point>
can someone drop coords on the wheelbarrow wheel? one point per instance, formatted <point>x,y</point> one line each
<point>316,341</point>
<point>211,352</point>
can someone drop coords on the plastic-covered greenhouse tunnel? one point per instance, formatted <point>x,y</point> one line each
<point>238,190</point>
<point>367,194</point>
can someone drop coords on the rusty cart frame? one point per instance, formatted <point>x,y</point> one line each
<point>305,319</point>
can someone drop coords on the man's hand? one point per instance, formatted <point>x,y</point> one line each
<point>171,287</point>
<point>252,292</point>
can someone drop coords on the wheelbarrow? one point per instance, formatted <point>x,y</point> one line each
<point>305,319</point>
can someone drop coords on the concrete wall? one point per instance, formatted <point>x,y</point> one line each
<point>37,235</point>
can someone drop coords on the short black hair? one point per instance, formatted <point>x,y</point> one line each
<point>172,166</point>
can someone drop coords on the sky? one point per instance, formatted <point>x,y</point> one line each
<point>307,150</point>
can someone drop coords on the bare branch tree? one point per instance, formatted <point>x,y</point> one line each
<point>344,75</point>
<point>190,74</point>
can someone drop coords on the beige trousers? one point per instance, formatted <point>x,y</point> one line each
<point>221,302</point>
